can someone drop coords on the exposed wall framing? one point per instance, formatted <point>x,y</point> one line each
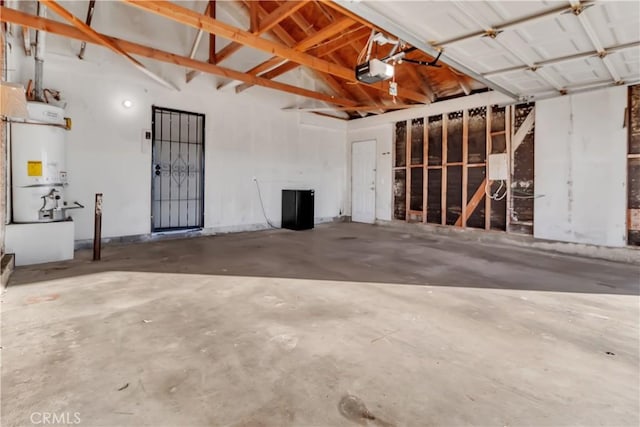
<point>400,172</point>
<point>522,172</point>
<point>499,142</point>
<point>440,169</point>
<point>633,167</point>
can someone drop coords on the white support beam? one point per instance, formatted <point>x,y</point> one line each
<point>569,90</point>
<point>498,28</point>
<point>585,22</point>
<point>561,59</point>
<point>194,47</point>
<point>464,9</point>
<point>26,37</point>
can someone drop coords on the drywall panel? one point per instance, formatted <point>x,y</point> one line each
<point>580,168</point>
<point>383,134</point>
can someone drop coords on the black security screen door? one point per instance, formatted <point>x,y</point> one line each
<point>177,189</point>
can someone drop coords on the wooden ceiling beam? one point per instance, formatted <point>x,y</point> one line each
<point>339,42</point>
<point>55,27</point>
<point>464,85</point>
<point>283,11</point>
<point>308,42</point>
<point>419,80</point>
<point>266,24</point>
<point>253,17</point>
<point>189,17</point>
<point>429,89</point>
<point>100,39</point>
<point>302,46</point>
<point>286,38</point>
<point>212,37</point>
<point>329,80</point>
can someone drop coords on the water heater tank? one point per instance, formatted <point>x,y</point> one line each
<point>38,165</point>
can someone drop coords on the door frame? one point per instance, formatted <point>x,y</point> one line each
<point>202,163</point>
<point>375,178</point>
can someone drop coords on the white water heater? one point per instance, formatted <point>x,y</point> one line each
<point>38,165</point>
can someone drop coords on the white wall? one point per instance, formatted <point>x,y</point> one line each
<point>246,135</point>
<point>580,168</point>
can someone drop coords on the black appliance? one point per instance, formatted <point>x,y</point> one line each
<point>297,209</point>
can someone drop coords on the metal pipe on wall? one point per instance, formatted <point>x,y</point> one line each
<point>39,58</point>
<point>83,46</point>
<point>97,228</point>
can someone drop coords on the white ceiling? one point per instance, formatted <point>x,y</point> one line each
<point>546,36</point>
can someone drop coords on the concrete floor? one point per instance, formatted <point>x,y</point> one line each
<point>346,324</point>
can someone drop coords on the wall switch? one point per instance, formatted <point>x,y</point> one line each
<point>145,142</point>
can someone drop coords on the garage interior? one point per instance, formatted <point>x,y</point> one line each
<point>319,213</point>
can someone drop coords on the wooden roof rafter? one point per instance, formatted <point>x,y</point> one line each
<point>302,46</point>
<point>311,35</point>
<point>266,23</point>
<point>261,24</point>
<point>282,35</point>
<point>189,17</point>
<point>131,48</point>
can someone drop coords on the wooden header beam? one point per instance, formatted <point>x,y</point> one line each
<point>189,17</point>
<point>55,27</point>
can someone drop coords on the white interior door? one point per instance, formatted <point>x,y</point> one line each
<point>363,181</point>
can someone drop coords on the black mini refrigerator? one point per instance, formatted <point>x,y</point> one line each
<point>297,209</point>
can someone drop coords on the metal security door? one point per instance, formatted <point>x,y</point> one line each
<point>177,192</point>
